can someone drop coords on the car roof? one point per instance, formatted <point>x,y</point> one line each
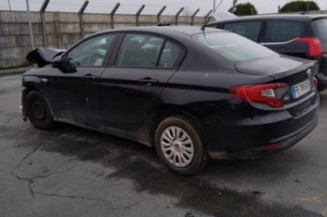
<point>165,30</point>
<point>292,17</point>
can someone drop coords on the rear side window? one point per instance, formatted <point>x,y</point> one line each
<point>171,56</point>
<point>233,47</point>
<point>139,50</point>
<point>320,29</point>
<point>282,31</point>
<point>250,30</point>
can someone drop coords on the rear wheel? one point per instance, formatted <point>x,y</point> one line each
<point>179,145</point>
<point>38,111</point>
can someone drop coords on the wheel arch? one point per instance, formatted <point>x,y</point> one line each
<point>166,111</point>
<point>29,87</point>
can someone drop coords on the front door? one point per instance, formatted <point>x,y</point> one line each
<point>74,95</point>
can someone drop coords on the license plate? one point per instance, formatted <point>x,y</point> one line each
<point>300,89</point>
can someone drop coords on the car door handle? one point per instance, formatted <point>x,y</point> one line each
<point>147,81</point>
<point>89,76</point>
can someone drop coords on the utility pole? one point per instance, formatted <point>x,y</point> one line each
<point>9,5</point>
<point>214,7</point>
<point>30,24</point>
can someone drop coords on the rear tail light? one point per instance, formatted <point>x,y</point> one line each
<point>315,48</point>
<point>261,93</point>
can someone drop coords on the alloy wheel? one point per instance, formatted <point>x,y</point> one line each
<point>177,146</point>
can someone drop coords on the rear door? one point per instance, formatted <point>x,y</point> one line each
<point>130,88</point>
<point>319,27</point>
<point>280,36</point>
<point>250,29</point>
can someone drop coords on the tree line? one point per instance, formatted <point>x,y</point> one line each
<point>243,9</point>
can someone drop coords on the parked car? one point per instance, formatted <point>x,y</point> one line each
<point>295,35</point>
<point>189,93</point>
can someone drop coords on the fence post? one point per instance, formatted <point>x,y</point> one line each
<point>112,14</point>
<point>30,25</point>
<point>138,14</point>
<point>81,19</point>
<point>9,5</point>
<point>44,30</point>
<point>177,15</point>
<point>193,15</point>
<point>206,16</point>
<point>160,12</point>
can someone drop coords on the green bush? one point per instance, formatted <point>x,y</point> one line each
<point>296,6</point>
<point>244,9</point>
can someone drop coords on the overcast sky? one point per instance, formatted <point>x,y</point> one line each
<point>152,6</point>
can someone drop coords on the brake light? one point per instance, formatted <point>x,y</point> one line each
<point>261,93</point>
<point>315,48</point>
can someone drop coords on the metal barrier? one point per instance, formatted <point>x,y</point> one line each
<point>81,19</point>
<point>112,14</point>
<point>160,12</point>
<point>138,14</point>
<point>177,15</point>
<point>112,18</point>
<point>44,30</point>
<point>193,15</point>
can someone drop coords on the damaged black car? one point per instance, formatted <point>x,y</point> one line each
<point>192,94</point>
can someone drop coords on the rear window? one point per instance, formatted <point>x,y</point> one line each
<point>320,29</point>
<point>233,47</point>
<point>282,31</point>
<point>250,30</point>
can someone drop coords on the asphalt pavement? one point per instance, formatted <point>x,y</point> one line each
<point>70,172</point>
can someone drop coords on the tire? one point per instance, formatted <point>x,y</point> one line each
<point>37,111</point>
<point>168,145</point>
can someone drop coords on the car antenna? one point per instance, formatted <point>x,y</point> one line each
<point>210,14</point>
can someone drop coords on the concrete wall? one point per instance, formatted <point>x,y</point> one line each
<point>61,30</point>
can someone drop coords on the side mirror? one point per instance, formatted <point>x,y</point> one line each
<point>65,65</point>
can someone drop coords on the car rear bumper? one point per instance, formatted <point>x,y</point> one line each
<point>261,135</point>
<point>257,152</point>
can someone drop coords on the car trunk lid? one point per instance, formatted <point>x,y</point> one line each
<point>276,67</point>
<point>285,70</point>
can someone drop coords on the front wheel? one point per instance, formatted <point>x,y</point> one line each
<point>38,111</point>
<point>179,145</point>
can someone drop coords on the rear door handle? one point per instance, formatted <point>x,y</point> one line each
<point>89,76</point>
<point>147,81</point>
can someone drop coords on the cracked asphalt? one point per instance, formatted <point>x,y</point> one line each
<point>71,171</point>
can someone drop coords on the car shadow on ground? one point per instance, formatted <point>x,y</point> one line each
<point>140,164</point>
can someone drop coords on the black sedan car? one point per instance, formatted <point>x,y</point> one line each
<point>192,94</point>
<point>297,35</point>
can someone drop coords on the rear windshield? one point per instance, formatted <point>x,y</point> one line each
<point>233,47</point>
<point>320,29</point>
